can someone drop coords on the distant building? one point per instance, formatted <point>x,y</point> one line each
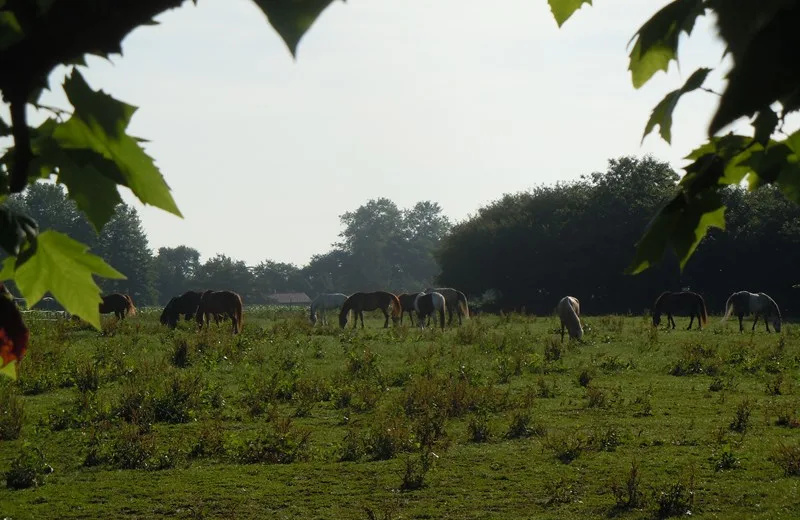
<point>289,299</point>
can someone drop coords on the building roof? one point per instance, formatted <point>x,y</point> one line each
<point>295,297</point>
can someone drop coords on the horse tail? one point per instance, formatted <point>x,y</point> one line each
<point>131,307</point>
<point>703,310</point>
<point>728,307</point>
<point>462,302</point>
<point>397,309</point>
<point>239,313</point>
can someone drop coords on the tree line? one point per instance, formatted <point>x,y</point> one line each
<point>527,250</point>
<point>521,252</point>
<point>381,246</point>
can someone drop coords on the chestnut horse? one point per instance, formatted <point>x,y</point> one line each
<point>220,302</point>
<point>120,304</point>
<point>185,304</point>
<point>361,301</point>
<point>407,303</point>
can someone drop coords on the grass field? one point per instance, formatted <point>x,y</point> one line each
<point>495,419</point>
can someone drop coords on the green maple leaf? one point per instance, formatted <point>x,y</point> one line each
<point>657,40</point>
<point>56,263</point>
<point>564,9</point>
<point>292,18</point>
<point>681,223</point>
<point>98,125</point>
<point>662,113</point>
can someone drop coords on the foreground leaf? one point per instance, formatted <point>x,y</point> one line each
<point>98,125</point>
<point>57,264</point>
<point>657,40</point>
<point>681,224</point>
<point>15,230</point>
<point>764,69</point>
<point>563,9</point>
<point>292,18</point>
<point>662,113</point>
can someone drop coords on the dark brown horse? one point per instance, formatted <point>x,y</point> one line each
<point>220,302</point>
<point>185,304</point>
<point>685,303</point>
<point>361,301</point>
<point>120,304</point>
<point>407,303</point>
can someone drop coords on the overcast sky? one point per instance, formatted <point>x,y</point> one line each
<point>450,101</point>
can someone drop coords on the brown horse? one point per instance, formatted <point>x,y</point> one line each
<point>220,302</point>
<point>407,303</point>
<point>361,301</point>
<point>120,304</point>
<point>686,303</point>
<point>185,304</point>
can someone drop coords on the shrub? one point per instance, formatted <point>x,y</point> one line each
<point>12,412</point>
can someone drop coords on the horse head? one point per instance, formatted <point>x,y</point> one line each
<point>776,322</point>
<point>343,319</point>
<point>656,319</point>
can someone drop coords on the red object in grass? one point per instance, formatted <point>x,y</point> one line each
<point>14,334</point>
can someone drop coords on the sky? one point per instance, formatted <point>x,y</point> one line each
<point>412,100</point>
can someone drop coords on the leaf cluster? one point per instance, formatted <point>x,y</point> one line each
<point>87,148</point>
<point>761,39</point>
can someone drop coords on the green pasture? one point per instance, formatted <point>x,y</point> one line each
<point>494,419</point>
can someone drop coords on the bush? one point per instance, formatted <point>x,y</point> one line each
<point>12,412</point>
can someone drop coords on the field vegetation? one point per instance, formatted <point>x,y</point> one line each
<point>495,419</point>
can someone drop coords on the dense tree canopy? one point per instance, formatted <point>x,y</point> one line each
<point>530,249</point>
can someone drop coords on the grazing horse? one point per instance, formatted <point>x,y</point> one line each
<point>361,301</point>
<point>120,304</point>
<point>456,300</point>
<point>569,311</point>
<point>220,302</point>
<point>760,304</point>
<point>325,302</point>
<point>683,303</point>
<point>426,304</point>
<point>407,303</point>
<point>185,304</point>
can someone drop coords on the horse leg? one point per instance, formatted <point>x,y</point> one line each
<point>441,318</point>
<point>385,319</point>
<point>361,314</point>
<point>411,317</point>
<point>755,321</point>
<point>741,327</point>
<point>766,322</point>
<point>691,321</point>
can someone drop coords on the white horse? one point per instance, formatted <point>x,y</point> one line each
<point>569,311</point>
<point>456,300</point>
<point>760,304</point>
<point>426,304</point>
<point>325,302</point>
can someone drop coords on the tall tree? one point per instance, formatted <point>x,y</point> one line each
<point>224,273</point>
<point>270,277</point>
<point>175,271</point>
<point>124,243</point>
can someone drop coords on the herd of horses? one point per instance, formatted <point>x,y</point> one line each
<point>429,303</point>
<point>435,303</point>
<point>685,303</point>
